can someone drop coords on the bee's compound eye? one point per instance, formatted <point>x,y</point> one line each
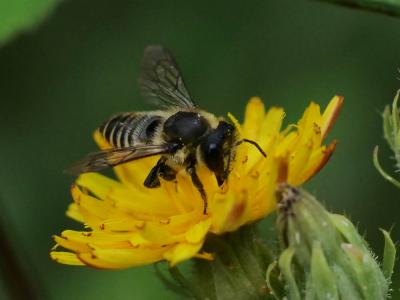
<point>212,147</point>
<point>186,127</point>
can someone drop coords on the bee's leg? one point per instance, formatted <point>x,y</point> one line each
<point>161,169</point>
<point>224,177</point>
<point>152,180</point>
<point>191,169</point>
<point>166,172</point>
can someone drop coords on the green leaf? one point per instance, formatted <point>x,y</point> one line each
<point>274,284</point>
<point>285,264</point>
<point>21,15</point>
<point>323,279</point>
<point>168,283</point>
<point>348,231</point>
<point>389,255</point>
<point>348,288</point>
<point>366,273</point>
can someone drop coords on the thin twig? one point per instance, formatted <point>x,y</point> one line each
<point>387,7</point>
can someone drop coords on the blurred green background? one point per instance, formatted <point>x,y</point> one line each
<point>80,65</point>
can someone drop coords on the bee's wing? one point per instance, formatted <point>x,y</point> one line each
<point>161,80</point>
<point>100,160</point>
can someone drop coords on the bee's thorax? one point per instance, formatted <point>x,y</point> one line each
<point>185,127</point>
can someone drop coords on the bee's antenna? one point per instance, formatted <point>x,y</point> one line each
<point>254,143</point>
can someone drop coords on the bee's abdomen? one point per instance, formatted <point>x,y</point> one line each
<point>129,129</point>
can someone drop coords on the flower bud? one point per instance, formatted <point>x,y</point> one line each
<point>391,132</point>
<point>324,256</point>
<point>391,127</point>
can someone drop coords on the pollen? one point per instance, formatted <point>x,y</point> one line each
<point>127,224</point>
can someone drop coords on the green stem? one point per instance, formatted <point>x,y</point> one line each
<point>381,171</point>
<point>387,7</point>
<point>17,281</point>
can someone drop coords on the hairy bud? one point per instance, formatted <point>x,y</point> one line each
<point>324,257</point>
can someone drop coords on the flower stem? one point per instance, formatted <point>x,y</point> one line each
<point>16,279</point>
<point>387,7</point>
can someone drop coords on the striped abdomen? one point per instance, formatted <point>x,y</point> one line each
<point>129,129</point>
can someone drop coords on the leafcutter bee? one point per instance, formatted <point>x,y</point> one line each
<point>180,132</point>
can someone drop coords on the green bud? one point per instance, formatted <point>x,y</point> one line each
<point>322,281</point>
<point>391,127</point>
<point>391,132</point>
<point>325,257</point>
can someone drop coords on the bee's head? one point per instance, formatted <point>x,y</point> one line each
<point>216,149</point>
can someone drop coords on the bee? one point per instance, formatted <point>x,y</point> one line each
<point>180,132</point>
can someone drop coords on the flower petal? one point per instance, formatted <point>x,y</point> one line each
<point>330,114</point>
<point>181,252</point>
<point>121,258</point>
<point>196,233</point>
<point>74,213</point>
<point>228,212</point>
<point>254,116</point>
<point>66,258</point>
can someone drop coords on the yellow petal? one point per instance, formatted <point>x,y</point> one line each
<point>254,116</point>
<point>298,161</point>
<point>98,184</point>
<point>196,233</point>
<point>236,123</point>
<point>286,145</point>
<point>74,213</point>
<point>268,134</point>
<point>155,202</point>
<point>181,252</point>
<point>317,161</point>
<point>121,258</point>
<point>121,224</point>
<point>330,114</point>
<point>71,245</point>
<point>89,204</point>
<point>66,258</point>
<point>228,212</point>
<point>100,141</point>
<point>159,234</point>
<point>98,239</point>
<point>309,125</point>
<point>271,124</point>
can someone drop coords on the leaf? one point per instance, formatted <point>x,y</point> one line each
<point>273,282</point>
<point>323,279</point>
<point>285,265</point>
<point>20,15</point>
<point>389,255</point>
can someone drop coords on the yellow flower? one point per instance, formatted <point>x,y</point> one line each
<point>130,225</point>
